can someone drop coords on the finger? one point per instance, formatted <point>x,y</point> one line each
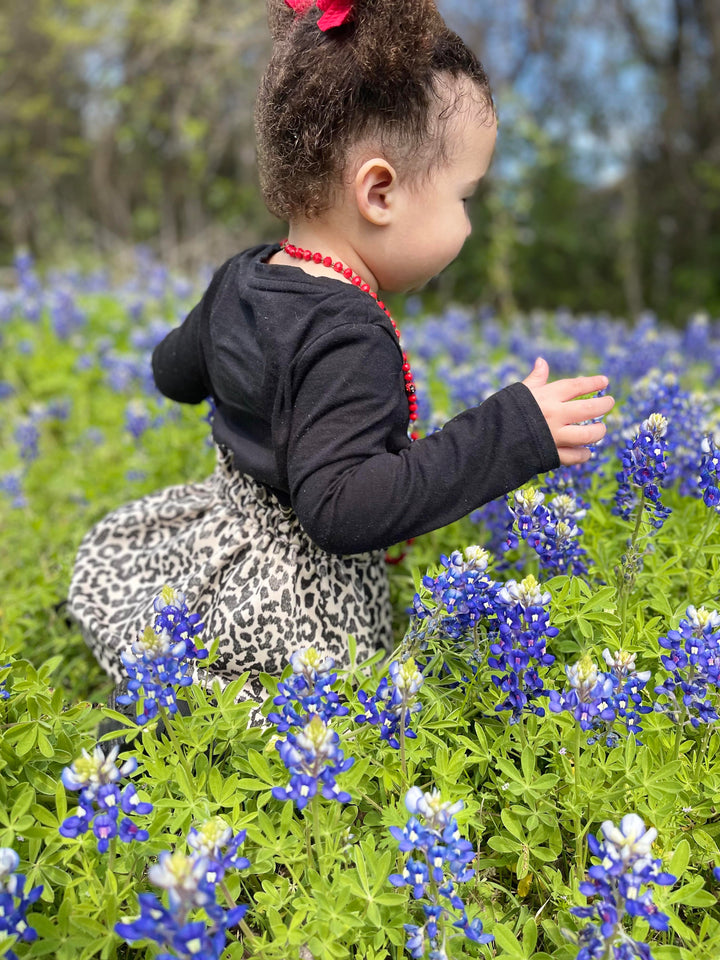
<point>579,386</point>
<point>569,456</point>
<point>579,436</point>
<point>575,411</point>
<point>538,375</point>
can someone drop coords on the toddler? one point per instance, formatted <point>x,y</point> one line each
<point>375,124</point>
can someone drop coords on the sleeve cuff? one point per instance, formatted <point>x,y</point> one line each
<point>545,447</point>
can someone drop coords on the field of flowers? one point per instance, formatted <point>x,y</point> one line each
<point>533,773</point>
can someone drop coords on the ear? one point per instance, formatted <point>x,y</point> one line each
<point>375,187</point>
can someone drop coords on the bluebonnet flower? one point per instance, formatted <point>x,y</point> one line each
<point>520,648</point>
<point>26,436</point>
<point>530,514</point>
<point>214,841</point>
<point>686,414</point>
<point>314,759</point>
<point>709,480</point>
<point>172,615</point>
<point>590,697</point>
<point>186,880</point>
<point>4,694</point>
<point>65,314</point>
<point>307,691</point>
<point>160,659</point>
<point>626,866</point>
<point>394,702</point>
<point>11,486</point>
<point>643,470</point>
<point>100,799</point>
<point>138,419</point>
<point>693,664</point>
<point>560,549</point>
<point>156,667</point>
<point>460,599</point>
<point>439,863</point>
<point>551,530</point>
<point>14,902</point>
<point>627,696</point>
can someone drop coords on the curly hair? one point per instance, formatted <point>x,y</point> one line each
<point>378,77</point>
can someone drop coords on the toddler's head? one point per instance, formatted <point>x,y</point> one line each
<point>392,96</point>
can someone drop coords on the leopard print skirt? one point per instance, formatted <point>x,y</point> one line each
<point>244,564</point>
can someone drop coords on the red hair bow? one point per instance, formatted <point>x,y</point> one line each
<point>334,12</point>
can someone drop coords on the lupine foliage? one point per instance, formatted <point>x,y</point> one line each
<point>557,675</point>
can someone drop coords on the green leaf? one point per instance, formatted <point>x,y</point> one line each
<point>512,825</point>
<point>680,858</point>
<point>508,941</point>
<point>692,894</point>
<point>261,767</point>
<point>27,741</point>
<point>60,801</point>
<point>530,933</point>
<point>504,845</point>
<point>23,798</point>
<point>527,762</point>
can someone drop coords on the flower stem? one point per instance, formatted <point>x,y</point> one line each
<point>702,751</point>
<point>308,843</point>
<point>111,857</point>
<point>625,585</point>
<point>316,826</point>
<point>579,858</point>
<point>231,903</point>
<point>176,743</point>
<point>578,749</point>
<point>521,730</point>
<point>678,739</point>
<point>403,764</point>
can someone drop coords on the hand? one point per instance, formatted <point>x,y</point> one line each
<point>564,413</point>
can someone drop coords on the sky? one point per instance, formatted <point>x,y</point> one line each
<point>604,105</point>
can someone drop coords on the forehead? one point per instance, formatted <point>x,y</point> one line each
<point>471,142</point>
<point>471,129</point>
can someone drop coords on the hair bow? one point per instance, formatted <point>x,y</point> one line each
<point>334,12</point>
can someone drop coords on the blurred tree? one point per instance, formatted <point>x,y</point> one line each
<point>126,121</point>
<point>630,87</point>
<point>130,121</point>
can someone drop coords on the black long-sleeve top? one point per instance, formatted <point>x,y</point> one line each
<point>306,376</point>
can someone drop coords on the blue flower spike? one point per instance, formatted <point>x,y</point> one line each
<point>644,470</point>
<point>626,867</point>
<point>709,479</point>
<point>693,665</point>
<point>100,799</point>
<point>394,702</point>
<point>185,878</point>
<point>439,862</point>
<point>520,649</point>
<point>157,666</point>
<point>14,902</point>
<point>173,616</point>
<point>314,759</point>
<point>307,691</point>
<point>214,841</point>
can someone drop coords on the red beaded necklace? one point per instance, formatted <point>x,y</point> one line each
<point>299,254</point>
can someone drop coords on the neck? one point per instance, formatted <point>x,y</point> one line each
<point>316,237</point>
